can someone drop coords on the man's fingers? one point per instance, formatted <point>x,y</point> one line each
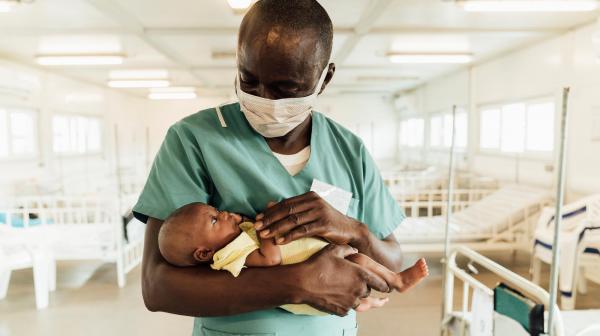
<point>304,231</point>
<point>374,281</point>
<point>287,224</point>
<point>285,208</point>
<point>341,251</point>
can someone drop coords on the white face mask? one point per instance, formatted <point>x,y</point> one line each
<point>275,118</point>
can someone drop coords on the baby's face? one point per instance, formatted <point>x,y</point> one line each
<point>218,228</point>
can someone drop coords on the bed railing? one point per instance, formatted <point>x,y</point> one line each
<point>518,282</point>
<point>430,203</point>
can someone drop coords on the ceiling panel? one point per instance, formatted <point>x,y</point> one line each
<point>55,14</point>
<point>438,13</point>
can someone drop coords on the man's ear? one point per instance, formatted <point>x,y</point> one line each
<point>203,254</point>
<point>328,77</point>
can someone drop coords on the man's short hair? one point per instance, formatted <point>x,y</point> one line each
<point>297,15</point>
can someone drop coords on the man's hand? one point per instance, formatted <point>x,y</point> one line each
<point>307,215</point>
<point>332,284</point>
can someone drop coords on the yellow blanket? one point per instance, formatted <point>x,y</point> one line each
<point>233,257</point>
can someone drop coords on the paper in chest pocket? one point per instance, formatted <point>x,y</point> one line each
<point>336,197</point>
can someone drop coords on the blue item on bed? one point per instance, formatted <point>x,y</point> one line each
<point>18,221</point>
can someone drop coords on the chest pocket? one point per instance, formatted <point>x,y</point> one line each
<point>354,209</point>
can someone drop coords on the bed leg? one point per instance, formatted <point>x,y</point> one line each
<point>120,271</point>
<point>4,281</point>
<point>568,303</point>
<point>52,275</point>
<point>582,281</point>
<point>536,270</point>
<point>40,280</point>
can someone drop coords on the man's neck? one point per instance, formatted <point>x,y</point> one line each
<point>293,142</point>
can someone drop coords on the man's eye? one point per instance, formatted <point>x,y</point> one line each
<point>213,221</point>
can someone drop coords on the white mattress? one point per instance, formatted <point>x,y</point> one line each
<point>575,321</point>
<point>495,210</point>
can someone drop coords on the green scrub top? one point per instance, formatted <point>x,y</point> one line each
<point>215,157</point>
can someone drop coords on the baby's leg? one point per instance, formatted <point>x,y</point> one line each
<point>401,281</point>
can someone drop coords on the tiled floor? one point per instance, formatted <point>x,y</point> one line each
<point>88,302</point>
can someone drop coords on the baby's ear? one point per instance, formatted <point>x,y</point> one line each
<point>203,255</point>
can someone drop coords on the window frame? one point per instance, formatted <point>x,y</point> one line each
<point>423,135</point>
<point>528,154</point>
<point>74,154</point>
<point>35,113</point>
<point>443,114</point>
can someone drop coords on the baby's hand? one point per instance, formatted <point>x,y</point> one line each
<point>370,303</point>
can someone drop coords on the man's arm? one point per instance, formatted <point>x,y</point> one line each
<point>201,291</point>
<point>386,251</point>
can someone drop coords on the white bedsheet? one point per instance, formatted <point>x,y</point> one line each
<point>576,321</point>
<point>494,211</point>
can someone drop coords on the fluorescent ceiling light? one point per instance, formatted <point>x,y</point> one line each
<point>173,89</point>
<point>148,83</point>
<point>239,4</point>
<point>172,95</point>
<point>139,74</point>
<point>430,58</point>
<point>6,6</point>
<point>386,78</point>
<point>529,5</point>
<point>79,59</point>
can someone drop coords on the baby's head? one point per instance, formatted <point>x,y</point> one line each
<point>193,233</point>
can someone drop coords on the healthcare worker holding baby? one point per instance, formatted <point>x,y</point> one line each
<point>272,146</point>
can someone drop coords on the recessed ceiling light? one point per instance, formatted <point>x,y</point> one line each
<point>79,59</point>
<point>529,5</point>
<point>135,83</point>
<point>430,58</point>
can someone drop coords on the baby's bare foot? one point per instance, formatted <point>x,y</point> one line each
<point>412,276</point>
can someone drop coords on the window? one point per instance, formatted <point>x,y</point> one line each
<point>441,130</point>
<point>518,127</point>
<point>17,133</point>
<point>76,134</point>
<point>412,132</point>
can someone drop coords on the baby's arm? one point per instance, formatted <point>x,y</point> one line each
<point>267,255</point>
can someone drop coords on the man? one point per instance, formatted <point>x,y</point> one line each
<point>271,146</point>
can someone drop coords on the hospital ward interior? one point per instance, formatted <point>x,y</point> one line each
<point>440,159</point>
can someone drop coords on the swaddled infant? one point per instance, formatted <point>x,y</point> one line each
<point>203,235</point>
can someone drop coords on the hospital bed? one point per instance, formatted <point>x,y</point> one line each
<point>480,312</point>
<point>79,228</point>
<point>501,220</point>
<point>412,181</point>
<point>20,249</point>
<point>580,246</point>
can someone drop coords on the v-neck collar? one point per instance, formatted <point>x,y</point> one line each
<point>314,140</point>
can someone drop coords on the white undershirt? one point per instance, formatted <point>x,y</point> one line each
<point>296,162</point>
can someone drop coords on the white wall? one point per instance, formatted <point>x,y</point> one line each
<point>540,70</point>
<point>49,94</point>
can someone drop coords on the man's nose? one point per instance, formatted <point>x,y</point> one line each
<point>264,92</point>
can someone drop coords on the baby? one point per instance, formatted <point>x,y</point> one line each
<point>204,234</point>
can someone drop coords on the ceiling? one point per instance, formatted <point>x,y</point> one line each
<point>182,35</point>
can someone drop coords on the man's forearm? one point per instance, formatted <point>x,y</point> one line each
<point>200,291</point>
<point>387,251</point>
